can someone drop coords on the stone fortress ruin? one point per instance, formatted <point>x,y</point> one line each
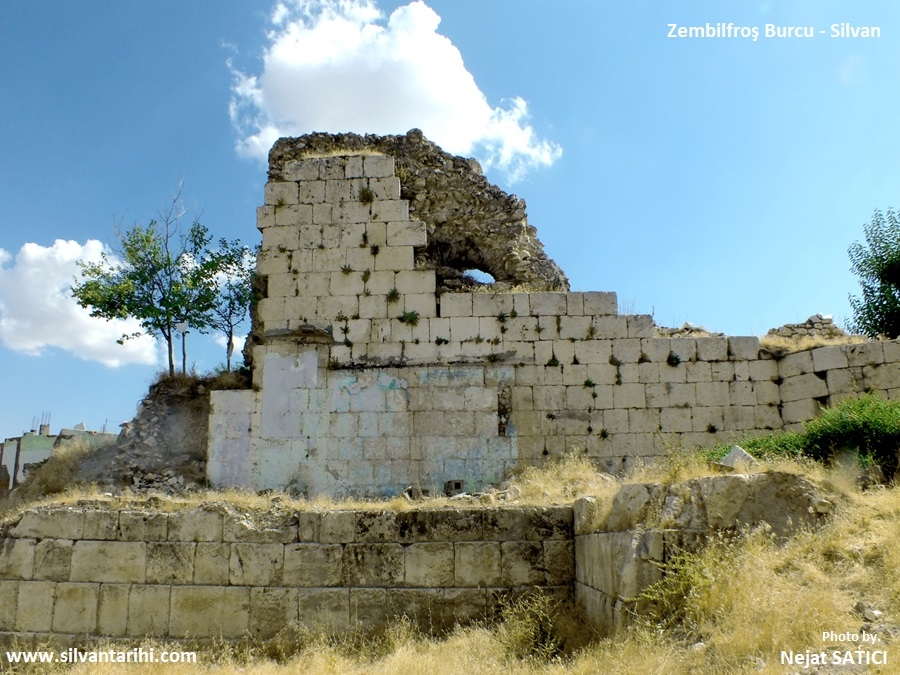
<point>376,366</point>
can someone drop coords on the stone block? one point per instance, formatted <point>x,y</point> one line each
<point>763,370</point>
<point>211,564</point>
<point>547,304</point>
<point>741,393</point>
<point>712,349</point>
<point>337,527</point>
<point>477,564</point>
<point>281,194</point>
<point>55,523</point>
<point>75,609</point>
<point>394,259</point>
<point>109,561</point>
<point>377,526</point>
<point>491,304</point>
<point>429,565</point>
<point>17,557</point>
<point>390,210</point>
<point>301,170</point>
<point>829,358</point>
<point>881,377</point>
<point>112,609</point>
<point>287,218</point>
<point>312,565</point>
<point>53,559</point>
<point>655,350</point>
<point>101,524</point>
<point>743,348</point>
<point>456,304</point>
<point>802,387</point>
<point>265,217</point>
<point>271,609</point>
<point>798,363</point>
<point>522,563</point>
<point>676,420</point>
<point>767,417</point>
<point>594,352</point>
<point>865,354</point>
<point>9,598</point>
<point>324,609</point>
<point>712,393</point>
<point>34,606</point>
<point>843,381</point>
<point>624,351</point>
<point>373,565</point>
<point>799,411</point>
<point>440,525</point>
<point>710,419</point>
<point>640,326</point>
<point>273,531</point>
<point>209,611</point>
<point>548,522</point>
<point>170,562</point>
<point>311,192</point>
<point>378,166</point>
<point>598,303</point>
<point>629,396</point>
<point>195,525</point>
<point>559,562</point>
<point>256,564</point>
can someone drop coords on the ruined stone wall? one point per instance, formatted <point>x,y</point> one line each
<point>619,554</point>
<point>214,573</point>
<point>367,377</point>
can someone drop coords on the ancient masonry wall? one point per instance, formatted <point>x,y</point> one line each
<point>621,553</point>
<point>366,379</point>
<point>208,573</point>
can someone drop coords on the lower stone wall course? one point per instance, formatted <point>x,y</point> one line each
<point>272,609</point>
<point>112,609</point>
<point>148,610</point>
<point>34,605</point>
<point>75,608</point>
<point>9,596</point>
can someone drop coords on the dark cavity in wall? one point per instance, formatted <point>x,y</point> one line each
<point>504,408</point>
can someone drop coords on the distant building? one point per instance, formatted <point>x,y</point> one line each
<point>19,454</point>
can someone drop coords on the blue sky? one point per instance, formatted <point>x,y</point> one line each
<point>711,180</point>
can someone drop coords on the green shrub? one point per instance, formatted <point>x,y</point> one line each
<point>868,427</point>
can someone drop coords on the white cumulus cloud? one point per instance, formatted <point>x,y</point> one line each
<point>37,310</point>
<point>337,66</point>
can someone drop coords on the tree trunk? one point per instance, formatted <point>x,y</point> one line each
<point>184,352</point>
<point>171,350</point>
<point>229,350</point>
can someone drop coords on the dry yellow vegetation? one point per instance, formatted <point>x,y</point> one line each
<point>779,346</point>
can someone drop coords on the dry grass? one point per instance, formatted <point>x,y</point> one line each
<point>54,476</point>
<point>779,346</point>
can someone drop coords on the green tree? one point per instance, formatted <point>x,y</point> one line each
<point>877,264</point>
<point>234,265</point>
<point>161,276</point>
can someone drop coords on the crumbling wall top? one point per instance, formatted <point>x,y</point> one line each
<point>471,223</point>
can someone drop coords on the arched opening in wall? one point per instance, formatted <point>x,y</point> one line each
<point>478,277</point>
